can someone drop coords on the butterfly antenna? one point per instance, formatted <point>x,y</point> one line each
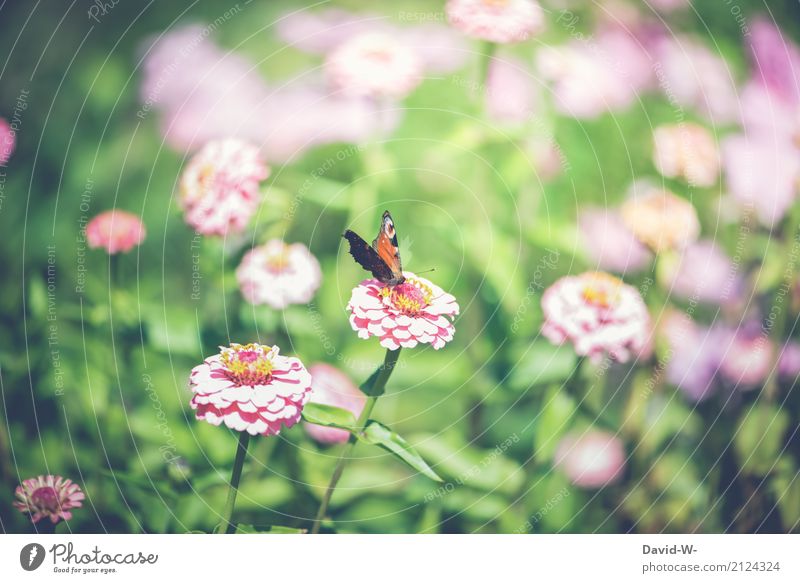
<point>426,271</point>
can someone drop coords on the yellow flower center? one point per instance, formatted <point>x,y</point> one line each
<point>248,364</point>
<point>409,297</point>
<point>601,289</point>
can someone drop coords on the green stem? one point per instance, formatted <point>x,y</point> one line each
<point>236,474</point>
<point>482,82</point>
<point>375,390</point>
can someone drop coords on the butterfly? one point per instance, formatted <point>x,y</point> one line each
<point>383,257</point>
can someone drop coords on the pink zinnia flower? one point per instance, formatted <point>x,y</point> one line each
<point>592,459</point>
<point>498,21</point>
<point>277,274</point>
<point>251,388</point>
<point>413,312</point>
<point>609,244</point>
<point>748,357</point>
<point>219,188</point>
<point>48,496</point>
<point>332,387</point>
<point>7,141</point>
<point>115,231</point>
<point>687,151</point>
<point>660,219</point>
<point>702,273</point>
<point>598,314</point>
<point>589,79</point>
<point>374,65</point>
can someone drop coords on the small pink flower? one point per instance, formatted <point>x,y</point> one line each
<point>374,65</point>
<point>592,459</point>
<point>609,244</point>
<point>115,231</point>
<point>497,21</point>
<point>687,151</point>
<point>702,273</point>
<point>413,312</point>
<point>277,274</point>
<point>332,387</point>
<point>251,388</point>
<point>748,357</point>
<point>598,314</point>
<point>8,140</point>
<point>219,188</point>
<point>660,219</point>
<point>48,496</point>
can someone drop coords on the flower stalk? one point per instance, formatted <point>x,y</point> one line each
<point>374,389</point>
<point>233,488</point>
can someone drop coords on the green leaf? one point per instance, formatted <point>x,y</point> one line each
<point>759,438</point>
<point>367,386</point>
<point>329,416</point>
<point>267,529</point>
<point>378,434</point>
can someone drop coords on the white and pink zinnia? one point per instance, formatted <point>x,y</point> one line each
<point>48,496</point>
<point>497,21</point>
<point>277,274</point>
<point>219,189</point>
<point>598,314</point>
<point>250,388</point>
<point>413,312</point>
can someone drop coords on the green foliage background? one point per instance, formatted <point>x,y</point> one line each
<point>486,412</point>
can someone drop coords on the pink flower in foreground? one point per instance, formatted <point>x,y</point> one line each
<point>251,388</point>
<point>374,65</point>
<point>115,231</point>
<point>687,151</point>
<point>609,244</point>
<point>592,459</point>
<point>598,314</point>
<point>413,312</point>
<point>7,141</point>
<point>277,274</point>
<point>219,188</point>
<point>498,21</point>
<point>332,387</point>
<point>48,496</point>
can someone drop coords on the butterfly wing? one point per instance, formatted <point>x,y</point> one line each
<point>385,245</point>
<point>368,258</point>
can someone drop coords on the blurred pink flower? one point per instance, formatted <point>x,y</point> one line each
<point>691,76</point>
<point>511,94</point>
<point>789,361</point>
<point>761,174</point>
<point>439,48</point>
<point>598,314</point>
<point>115,231</point>
<point>686,150</point>
<point>48,496</point>
<point>590,77</point>
<point>203,93</point>
<point>330,386</point>
<point>694,354</point>
<point>660,219</point>
<point>497,21</point>
<point>775,60</point>
<point>702,272</point>
<point>277,274</point>
<point>747,358</point>
<point>8,140</point>
<point>373,65</point>
<point>414,312</point>
<point>546,155</point>
<point>592,459</point>
<point>219,188</point>
<point>609,244</point>
<point>250,388</point>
